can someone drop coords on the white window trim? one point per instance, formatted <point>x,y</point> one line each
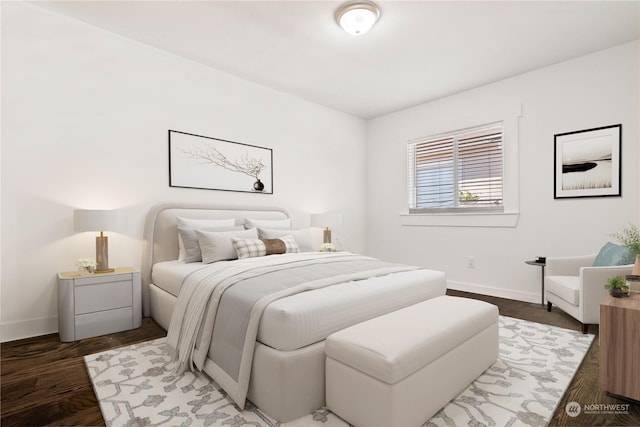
<point>511,187</point>
<point>461,219</point>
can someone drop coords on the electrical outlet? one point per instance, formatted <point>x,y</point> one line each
<point>471,262</point>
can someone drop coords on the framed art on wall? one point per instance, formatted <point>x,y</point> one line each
<point>587,163</point>
<point>197,161</point>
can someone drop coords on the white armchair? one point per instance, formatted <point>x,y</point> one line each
<point>575,286</point>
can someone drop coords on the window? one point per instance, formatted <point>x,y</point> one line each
<point>458,171</point>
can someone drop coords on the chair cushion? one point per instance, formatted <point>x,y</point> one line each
<point>611,254</point>
<point>566,287</point>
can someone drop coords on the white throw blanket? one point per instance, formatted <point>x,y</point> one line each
<point>193,319</point>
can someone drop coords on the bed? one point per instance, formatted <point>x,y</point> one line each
<point>287,364</point>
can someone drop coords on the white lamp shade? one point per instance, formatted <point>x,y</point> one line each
<point>99,220</point>
<point>357,18</point>
<point>328,220</point>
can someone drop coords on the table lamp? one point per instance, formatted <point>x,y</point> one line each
<point>327,221</point>
<point>100,220</point>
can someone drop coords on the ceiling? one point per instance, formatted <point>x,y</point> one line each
<point>418,51</point>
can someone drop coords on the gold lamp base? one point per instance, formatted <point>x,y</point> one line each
<point>102,255</point>
<point>327,246</point>
<point>326,235</point>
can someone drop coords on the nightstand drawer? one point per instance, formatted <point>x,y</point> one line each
<point>103,322</point>
<point>90,298</point>
<point>98,304</point>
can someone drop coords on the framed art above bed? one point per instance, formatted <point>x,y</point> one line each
<point>202,162</point>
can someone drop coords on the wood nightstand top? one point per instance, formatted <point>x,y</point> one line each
<point>78,274</point>
<point>632,302</point>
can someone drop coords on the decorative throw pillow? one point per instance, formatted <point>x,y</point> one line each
<point>302,236</point>
<point>218,246</point>
<point>612,254</point>
<point>200,223</point>
<point>267,223</point>
<point>249,248</point>
<point>190,246</point>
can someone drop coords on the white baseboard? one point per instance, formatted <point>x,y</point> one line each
<point>494,292</point>
<point>11,331</point>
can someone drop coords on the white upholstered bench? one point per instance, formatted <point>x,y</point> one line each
<point>399,369</point>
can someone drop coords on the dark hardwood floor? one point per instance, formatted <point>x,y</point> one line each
<point>45,382</point>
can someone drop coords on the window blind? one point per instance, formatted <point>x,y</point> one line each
<point>458,170</point>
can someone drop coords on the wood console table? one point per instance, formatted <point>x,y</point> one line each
<point>620,346</point>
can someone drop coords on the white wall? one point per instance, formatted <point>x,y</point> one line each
<point>591,91</point>
<point>84,125</point>
<point>85,115</point>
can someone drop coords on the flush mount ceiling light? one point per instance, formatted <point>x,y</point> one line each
<point>357,18</point>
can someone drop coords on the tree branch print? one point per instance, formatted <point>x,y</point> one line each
<point>211,155</point>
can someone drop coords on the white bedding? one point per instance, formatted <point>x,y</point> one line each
<point>305,318</point>
<point>308,317</point>
<point>169,275</point>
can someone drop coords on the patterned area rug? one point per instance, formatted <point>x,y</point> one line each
<point>534,369</point>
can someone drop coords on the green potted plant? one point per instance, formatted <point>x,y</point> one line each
<point>629,236</point>
<point>617,286</point>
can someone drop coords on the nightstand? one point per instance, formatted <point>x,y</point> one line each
<point>619,344</point>
<point>96,304</point>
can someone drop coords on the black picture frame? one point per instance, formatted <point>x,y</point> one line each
<point>588,163</point>
<point>206,163</point>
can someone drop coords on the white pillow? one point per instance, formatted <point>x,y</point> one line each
<point>190,246</point>
<point>193,223</point>
<point>267,223</point>
<point>249,248</point>
<point>302,236</point>
<point>218,246</point>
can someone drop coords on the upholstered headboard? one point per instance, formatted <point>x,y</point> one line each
<point>161,233</point>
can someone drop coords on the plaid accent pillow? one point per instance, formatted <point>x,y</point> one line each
<point>290,244</point>
<point>249,248</point>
